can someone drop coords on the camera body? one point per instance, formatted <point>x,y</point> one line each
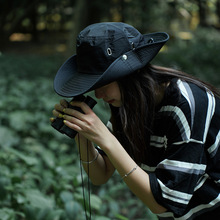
<point>58,122</point>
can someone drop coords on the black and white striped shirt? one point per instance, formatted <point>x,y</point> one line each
<point>184,159</point>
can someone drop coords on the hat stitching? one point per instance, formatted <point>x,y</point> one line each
<point>137,57</point>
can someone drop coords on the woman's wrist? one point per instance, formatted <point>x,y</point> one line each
<point>93,160</point>
<point>110,144</point>
<point>86,149</point>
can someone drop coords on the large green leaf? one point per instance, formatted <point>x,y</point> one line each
<point>27,159</point>
<point>38,199</point>
<point>66,196</point>
<point>8,137</point>
<point>7,214</point>
<point>96,202</point>
<point>21,120</point>
<point>73,209</point>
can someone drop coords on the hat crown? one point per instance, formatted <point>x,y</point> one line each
<point>106,52</point>
<point>99,45</point>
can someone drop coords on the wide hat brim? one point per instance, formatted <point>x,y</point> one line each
<point>69,82</point>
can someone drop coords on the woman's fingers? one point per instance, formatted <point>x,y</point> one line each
<point>82,105</point>
<point>52,120</point>
<point>64,103</point>
<point>72,125</point>
<point>77,119</point>
<point>73,117</point>
<point>79,110</point>
<point>58,108</point>
<point>57,113</point>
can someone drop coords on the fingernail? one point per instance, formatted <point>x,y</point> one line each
<point>60,115</point>
<point>64,110</point>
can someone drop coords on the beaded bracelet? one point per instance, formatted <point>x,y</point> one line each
<point>96,157</point>
<point>130,172</point>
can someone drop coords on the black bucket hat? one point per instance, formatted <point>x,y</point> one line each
<point>106,52</point>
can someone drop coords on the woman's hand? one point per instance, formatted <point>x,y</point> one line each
<point>87,124</point>
<point>58,109</point>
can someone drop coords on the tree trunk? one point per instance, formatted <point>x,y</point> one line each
<point>17,19</point>
<point>218,11</point>
<point>86,12</point>
<point>79,22</point>
<point>202,13</point>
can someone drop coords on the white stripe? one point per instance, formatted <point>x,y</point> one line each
<point>157,138</point>
<point>215,145</point>
<point>157,145</point>
<point>183,165</point>
<point>180,115</point>
<point>148,168</point>
<point>188,141</point>
<point>157,141</point>
<point>193,211</point>
<point>210,112</point>
<point>187,93</point>
<point>201,181</point>
<point>201,207</point>
<point>183,91</point>
<point>174,195</point>
<point>217,182</point>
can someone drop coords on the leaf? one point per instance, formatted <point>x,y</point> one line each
<point>21,120</point>
<point>20,199</point>
<point>102,218</point>
<point>3,183</point>
<point>7,214</point>
<point>120,217</point>
<point>114,207</point>
<point>48,158</point>
<point>48,214</point>
<point>72,209</point>
<point>30,212</point>
<point>38,199</point>
<point>27,159</point>
<point>66,196</point>
<point>54,214</point>
<point>8,137</point>
<point>96,202</point>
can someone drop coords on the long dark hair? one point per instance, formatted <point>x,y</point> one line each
<point>132,122</point>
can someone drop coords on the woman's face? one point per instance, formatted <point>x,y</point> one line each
<point>110,93</point>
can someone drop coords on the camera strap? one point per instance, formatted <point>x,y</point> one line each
<point>88,213</point>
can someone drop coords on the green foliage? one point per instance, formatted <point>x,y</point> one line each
<point>197,56</point>
<point>39,168</point>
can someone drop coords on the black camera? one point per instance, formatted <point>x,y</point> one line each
<point>58,122</point>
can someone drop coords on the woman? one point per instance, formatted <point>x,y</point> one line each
<point>166,136</point>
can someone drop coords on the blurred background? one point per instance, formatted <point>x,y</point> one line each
<point>40,175</point>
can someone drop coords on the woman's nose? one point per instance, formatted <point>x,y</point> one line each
<point>99,93</point>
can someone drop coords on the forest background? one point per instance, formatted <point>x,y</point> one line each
<point>40,176</point>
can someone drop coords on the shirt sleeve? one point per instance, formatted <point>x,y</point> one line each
<point>175,178</point>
